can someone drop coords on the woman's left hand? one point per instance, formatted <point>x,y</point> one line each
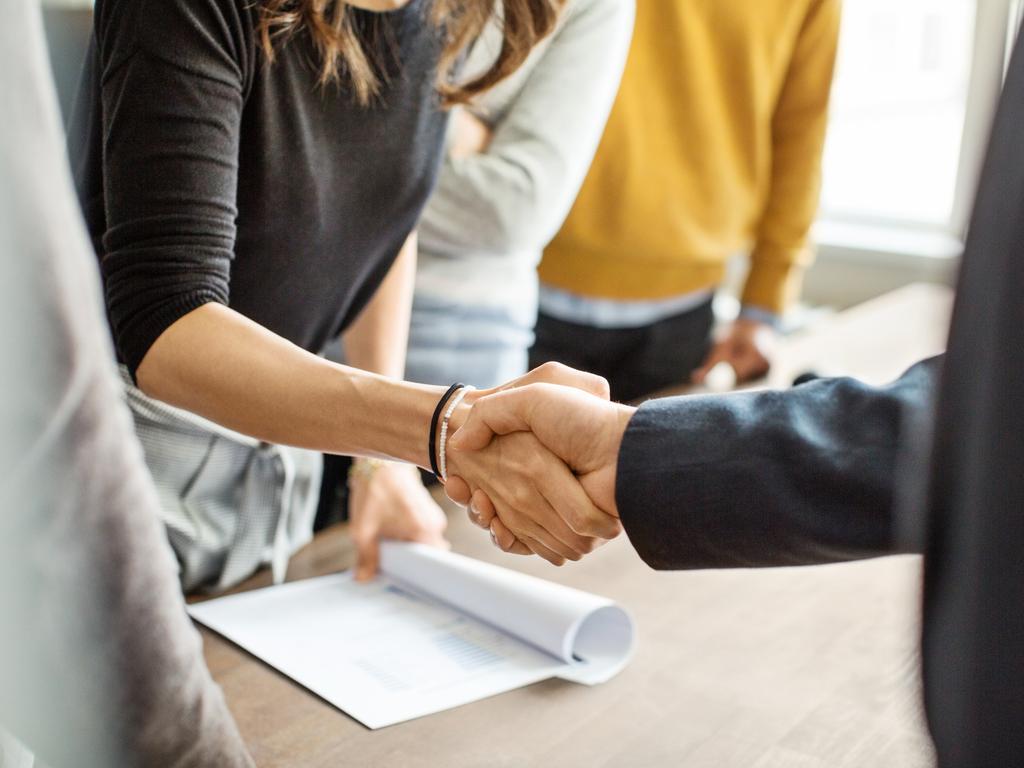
<point>387,500</point>
<point>469,135</point>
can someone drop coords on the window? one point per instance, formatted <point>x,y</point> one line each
<point>898,110</point>
<point>915,85</point>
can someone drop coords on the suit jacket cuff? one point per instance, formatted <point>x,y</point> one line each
<point>662,517</point>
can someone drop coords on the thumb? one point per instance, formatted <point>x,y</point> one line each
<point>367,554</point>
<point>497,414</point>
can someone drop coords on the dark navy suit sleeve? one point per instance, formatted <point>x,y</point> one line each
<point>769,478</point>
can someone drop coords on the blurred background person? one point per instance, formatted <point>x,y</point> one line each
<point>514,162</point>
<point>713,146</point>
<point>99,663</point>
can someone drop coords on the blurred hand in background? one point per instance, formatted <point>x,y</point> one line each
<point>747,347</point>
<point>468,134</point>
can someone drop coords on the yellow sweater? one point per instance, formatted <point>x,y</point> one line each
<point>714,145</point>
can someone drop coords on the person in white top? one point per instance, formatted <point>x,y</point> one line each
<point>515,161</point>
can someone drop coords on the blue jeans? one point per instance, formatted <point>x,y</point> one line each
<point>477,345</point>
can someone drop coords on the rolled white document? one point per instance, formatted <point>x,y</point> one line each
<point>591,634</point>
<point>435,630</point>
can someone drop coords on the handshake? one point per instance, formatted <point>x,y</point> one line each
<point>535,462</point>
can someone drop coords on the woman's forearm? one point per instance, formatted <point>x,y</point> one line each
<point>219,364</point>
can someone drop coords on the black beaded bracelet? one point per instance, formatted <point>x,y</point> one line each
<point>432,448</point>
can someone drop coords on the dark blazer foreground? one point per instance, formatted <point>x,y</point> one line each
<point>836,470</point>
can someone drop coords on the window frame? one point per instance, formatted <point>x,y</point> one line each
<point>995,28</point>
<point>996,22</point>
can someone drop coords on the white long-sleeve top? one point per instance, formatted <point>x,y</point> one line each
<point>483,231</point>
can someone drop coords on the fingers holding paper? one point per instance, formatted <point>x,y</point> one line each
<point>388,501</point>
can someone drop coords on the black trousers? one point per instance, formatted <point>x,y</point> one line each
<point>636,361</point>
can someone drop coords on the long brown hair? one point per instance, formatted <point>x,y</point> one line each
<point>346,53</point>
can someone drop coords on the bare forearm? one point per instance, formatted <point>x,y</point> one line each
<point>221,365</point>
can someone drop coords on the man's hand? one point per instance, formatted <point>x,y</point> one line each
<point>747,347</point>
<point>580,429</point>
<point>388,501</point>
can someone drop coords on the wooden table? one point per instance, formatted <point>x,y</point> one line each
<point>804,668</point>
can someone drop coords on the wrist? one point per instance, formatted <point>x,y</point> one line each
<point>363,469</point>
<point>384,418</point>
<point>617,426</point>
<point>461,412</point>
<point>752,315</point>
<point>449,425</point>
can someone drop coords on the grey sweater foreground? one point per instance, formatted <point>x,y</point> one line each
<point>99,663</point>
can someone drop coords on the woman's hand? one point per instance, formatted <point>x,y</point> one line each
<point>468,134</point>
<point>388,501</point>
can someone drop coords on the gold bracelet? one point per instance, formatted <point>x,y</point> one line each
<point>364,469</point>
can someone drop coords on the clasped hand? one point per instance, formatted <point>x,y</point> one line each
<point>535,463</point>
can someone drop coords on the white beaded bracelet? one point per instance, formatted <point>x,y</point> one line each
<point>444,429</point>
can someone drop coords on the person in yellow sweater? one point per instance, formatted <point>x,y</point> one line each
<point>713,148</point>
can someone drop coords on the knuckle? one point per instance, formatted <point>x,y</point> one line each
<point>558,548</point>
<point>587,545</point>
<point>577,520</point>
<point>599,386</point>
<point>455,495</point>
<point>521,498</point>
<point>551,367</point>
<point>606,528</point>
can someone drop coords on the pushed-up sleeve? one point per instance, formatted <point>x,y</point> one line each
<point>172,84</point>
